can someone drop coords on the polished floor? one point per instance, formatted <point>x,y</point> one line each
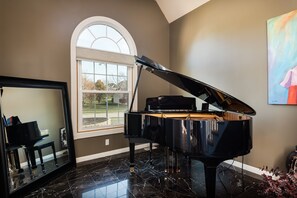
<point>110,177</point>
<point>20,179</point>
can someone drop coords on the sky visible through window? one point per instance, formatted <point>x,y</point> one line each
<point>103,37</point>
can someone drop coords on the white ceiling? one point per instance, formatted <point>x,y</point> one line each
<point>174,9</point>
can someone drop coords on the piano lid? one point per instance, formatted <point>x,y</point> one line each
<point>197,88</point>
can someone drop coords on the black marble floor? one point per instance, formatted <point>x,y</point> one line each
<point>110,177</point>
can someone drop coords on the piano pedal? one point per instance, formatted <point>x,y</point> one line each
<point>172,170</point>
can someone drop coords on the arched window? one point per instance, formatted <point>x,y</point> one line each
<point>102,75</point>
<point>103,37</point>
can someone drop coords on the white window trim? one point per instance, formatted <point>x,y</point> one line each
<point>74,72</point>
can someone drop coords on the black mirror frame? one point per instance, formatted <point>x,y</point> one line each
<point>6,81</point>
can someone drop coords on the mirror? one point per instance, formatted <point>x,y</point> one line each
<point>36,133</point>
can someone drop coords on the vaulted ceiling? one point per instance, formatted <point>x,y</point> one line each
<point>174,9</point>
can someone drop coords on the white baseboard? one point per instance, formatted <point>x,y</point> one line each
<point>250,170</point>
<point>45,158</point>
<point>108,153</point>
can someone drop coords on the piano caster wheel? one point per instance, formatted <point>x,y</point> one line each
<point>132,170</point>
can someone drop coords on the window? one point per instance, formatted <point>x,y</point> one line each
<point>102,76</point>
<point>103,37</point>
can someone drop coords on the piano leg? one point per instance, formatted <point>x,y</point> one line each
<point>210,173</point>
<point>17,161</point>
<point>151,151</point>
<point>210,180</point>
<point>132,152</point>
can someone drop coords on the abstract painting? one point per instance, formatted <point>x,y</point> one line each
<point>282,59</point>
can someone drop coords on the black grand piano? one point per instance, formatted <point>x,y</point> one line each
<point>24,134</point>
<point>211,136</point>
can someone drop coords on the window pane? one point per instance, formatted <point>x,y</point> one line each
<point>87,82</point>
<point>122,84</point>
<point>113,34</point>
<point>106,44</point>
<point>98,30</point>
<point>100,82</point>
<point>122,70</point>
<point>117,108</point>
<point>112,82</point>
<point>112,69</point>
<point>102,113</point>
<point>85,39</point>
<point>103,37</point>
<point>89,109</point>
<point>124,46</point>
<point>100,68</point>
<point>103,109</point>
<point>94,110</point>
<point>87,67</point>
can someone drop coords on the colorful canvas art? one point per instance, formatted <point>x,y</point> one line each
<point>282,59</point>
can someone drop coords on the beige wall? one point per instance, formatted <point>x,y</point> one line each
<point>36,36</point>
<point>224,44</point>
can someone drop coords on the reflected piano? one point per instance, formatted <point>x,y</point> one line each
<point>25,134</point>
<point>211,136</point>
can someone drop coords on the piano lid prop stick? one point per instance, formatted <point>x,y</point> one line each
<point>136,85</point>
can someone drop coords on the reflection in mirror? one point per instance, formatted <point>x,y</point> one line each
<point>35,133</point>
<point>36,140</point>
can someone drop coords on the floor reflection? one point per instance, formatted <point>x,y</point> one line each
<point>110,177</point>
<point>18,179</point>
<point>118,189</point>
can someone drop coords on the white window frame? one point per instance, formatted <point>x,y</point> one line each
<point>76,52</point>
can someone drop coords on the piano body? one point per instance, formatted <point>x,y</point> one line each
<point>25,134</point>
<point>211,136</point>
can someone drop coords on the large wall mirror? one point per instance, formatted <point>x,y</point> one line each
<point>36,133</point>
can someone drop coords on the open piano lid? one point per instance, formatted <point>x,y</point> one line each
<point>197,88</point>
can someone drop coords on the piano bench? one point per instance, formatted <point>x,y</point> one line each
<point>40,146</point>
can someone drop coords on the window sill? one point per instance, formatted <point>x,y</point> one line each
<point>82,135</point>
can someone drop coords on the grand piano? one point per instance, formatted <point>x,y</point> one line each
<point>211,136</point>
<point>24,134</point>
